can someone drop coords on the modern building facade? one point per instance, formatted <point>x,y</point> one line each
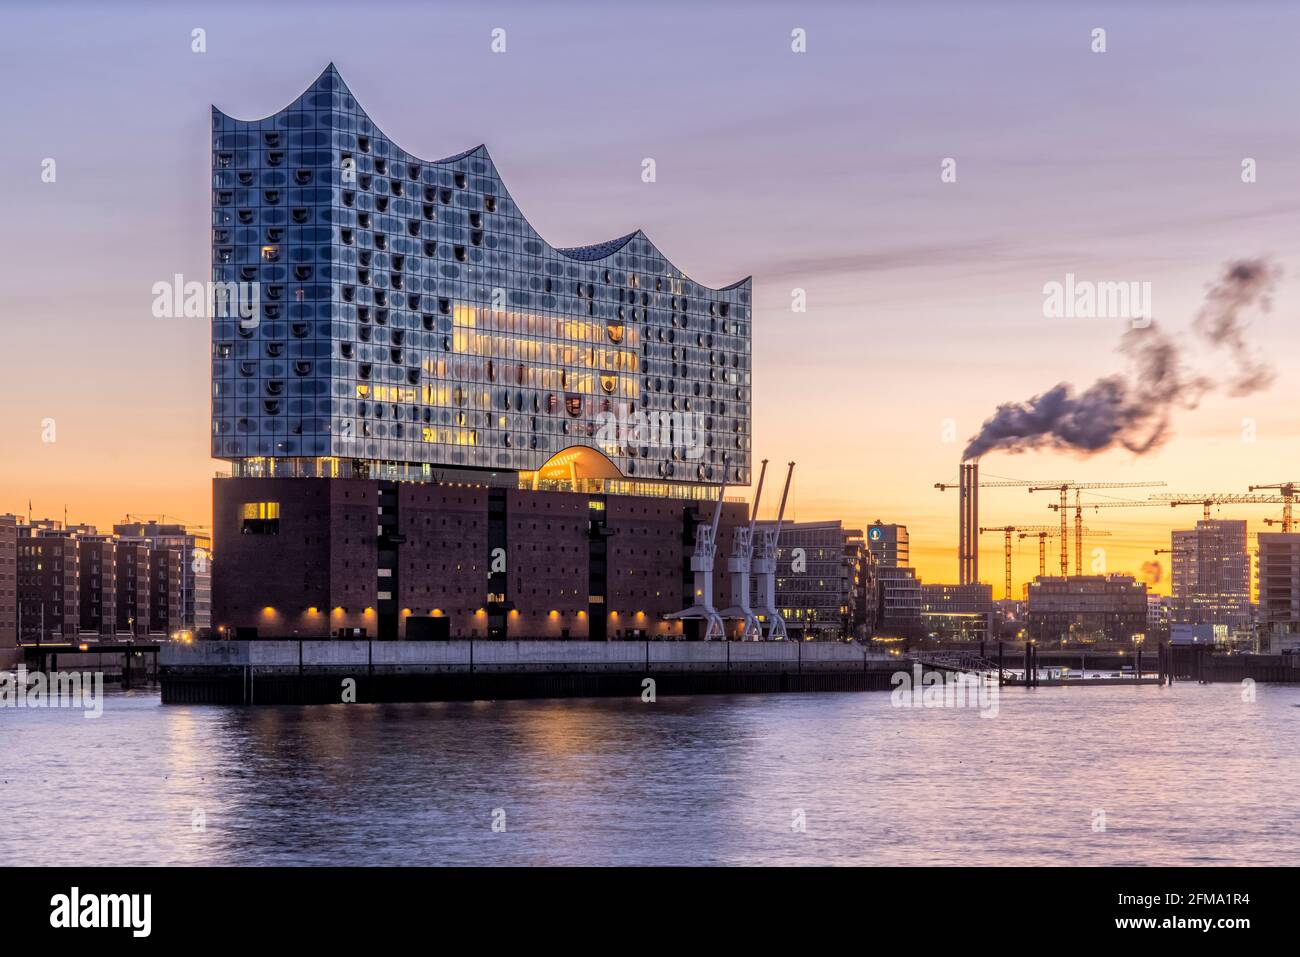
<point>1279,590</point>
<point>963,612</point>
<point>1211,575</point>
<point>890,544</point>
<point>438,424</point>
<point>899,614</point>
<point>825,581</point>
<point>404,321</point>
<point>1087,608</point>
<point>1158,616</point>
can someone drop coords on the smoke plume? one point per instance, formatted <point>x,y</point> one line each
<point>1247,283</point>
<point>1135,410</point>
<point>1152,572</point>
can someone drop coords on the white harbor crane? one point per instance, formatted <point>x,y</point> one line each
<point>739,564</point>
<point>764,566</point>
<point>706,546</point>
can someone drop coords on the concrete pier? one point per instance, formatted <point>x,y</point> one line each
<point>320,672</point>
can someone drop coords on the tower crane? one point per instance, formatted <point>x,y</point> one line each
<point>1045,532</point>
<point>1064,489</point>
<point>1042,531</point>
<point>968,521</point>
<point>1001,483</point>
<point>1288,491</point>
<point>1206,499</point>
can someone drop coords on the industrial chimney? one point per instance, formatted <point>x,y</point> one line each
<point>968,524</point>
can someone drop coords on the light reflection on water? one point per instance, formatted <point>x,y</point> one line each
<point>1189,774</point>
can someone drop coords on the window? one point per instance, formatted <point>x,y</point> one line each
<point>261,518</point>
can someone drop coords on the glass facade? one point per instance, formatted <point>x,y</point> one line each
<point>405,314</point>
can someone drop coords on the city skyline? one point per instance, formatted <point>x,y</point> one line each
<point>577,435</point>
<point>949,276</point>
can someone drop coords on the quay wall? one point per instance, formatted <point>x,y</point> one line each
<point>301,672</point>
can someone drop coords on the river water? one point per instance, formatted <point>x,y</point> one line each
<point>1107,775</point>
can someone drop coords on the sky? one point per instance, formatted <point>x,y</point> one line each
<point>818,171</point>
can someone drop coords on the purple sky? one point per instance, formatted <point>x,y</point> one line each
<point>818,171</point>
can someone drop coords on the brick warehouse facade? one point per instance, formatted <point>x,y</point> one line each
<point>300,557</point>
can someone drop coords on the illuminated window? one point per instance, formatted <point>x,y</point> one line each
<point>261,518</point>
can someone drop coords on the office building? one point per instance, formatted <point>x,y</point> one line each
<point>1211,575</point>
<point>1279,591</point>
<point>1087,609</point>
<point>889,543</point>
<point>899,614</point>
<point>962,612</point>
<point>825,580</point>
<point>1158,616</point>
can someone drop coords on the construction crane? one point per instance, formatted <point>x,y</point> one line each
<point>1041,530</point>
<point>1043,533</point>
<point>968,514</point>
<point>1288,491</point>
<point>1001,483</point>
<point>1206,499</point>
<point>1064,489</point>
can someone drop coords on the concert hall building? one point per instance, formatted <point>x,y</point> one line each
<point>429,412</point>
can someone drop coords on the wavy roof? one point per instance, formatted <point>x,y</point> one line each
<point>330,80</point>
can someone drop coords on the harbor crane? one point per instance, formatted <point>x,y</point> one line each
<point>764,565</point>
<point>739,564</point>
<point>1064,489</point>
<point>1045,532</point>
<point>1288,491</point>
<point>706,546</point>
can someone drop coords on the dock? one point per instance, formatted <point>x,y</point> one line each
<point>327,672</point>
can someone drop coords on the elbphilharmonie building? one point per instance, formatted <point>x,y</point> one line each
<point>410,324</point>
<point>439,425</point>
